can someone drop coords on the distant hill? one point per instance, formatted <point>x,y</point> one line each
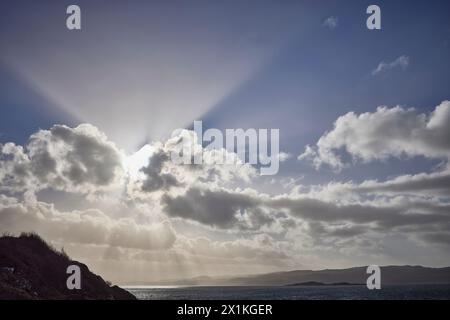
<point>319,284</point>
<point>390,275</point>
<point>32,269</point>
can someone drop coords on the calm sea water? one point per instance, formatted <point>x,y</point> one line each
<point>292,293</point>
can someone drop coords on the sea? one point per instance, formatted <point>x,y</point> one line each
<point>351,292</point>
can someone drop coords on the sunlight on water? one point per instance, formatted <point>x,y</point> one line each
<point>415,292</point>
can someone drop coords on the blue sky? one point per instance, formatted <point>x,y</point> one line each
<point>306,76</point>
<point>138,70</point>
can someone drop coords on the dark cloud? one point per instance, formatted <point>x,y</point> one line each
<point>380,216</point>
<point>439,238</point>
<point>216,208</point>
<point>155,179</point>
<point>239,210</point>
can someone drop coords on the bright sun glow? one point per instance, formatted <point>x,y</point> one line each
<point>135,162</point>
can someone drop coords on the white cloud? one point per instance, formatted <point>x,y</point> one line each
<point>284,156</point>
<point>387,132</point>
<point>401,62</point>
<point>331,22</point>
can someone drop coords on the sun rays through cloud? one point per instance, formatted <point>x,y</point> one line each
<point>360,118</point>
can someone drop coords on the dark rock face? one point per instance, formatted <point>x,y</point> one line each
<point>31,269</point>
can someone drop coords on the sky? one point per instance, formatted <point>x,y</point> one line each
<point>87,120</point>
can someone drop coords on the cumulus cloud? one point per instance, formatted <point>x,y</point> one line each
<point>387,132</point>
<point>161,173</point>
<point>155,179</point>
<point>155,192</point>
<point>401,62</point>
<point>83,160</point>
<point>330,22</point>
<point>77,159</point>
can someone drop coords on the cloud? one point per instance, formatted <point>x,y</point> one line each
<point>331,22</point>
<point>327,231</point>
<point>401,62</point>
<point>83,160</point>
<point>351,217</point>
<point>422,184</point>
<point>354,226</point>
<point>371,214</point>
<point>151,192</point>
<point>259,247</point>
<point>440,238</point>
<point>155,179</point>
<point>85,227</point>
<point>284,156</point>
<point>218,208</point>
<point>387,132</point>
<point>161,174</point>
<point>79,159</point>
<point>194,256</point>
